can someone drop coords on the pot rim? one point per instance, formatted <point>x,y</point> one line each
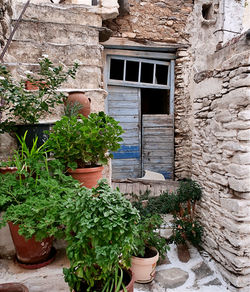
<point>86,169</point>
<point>146,260</point>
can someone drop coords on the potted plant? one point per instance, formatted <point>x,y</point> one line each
<point>83,144</point>
<point>149,245</point>
<point>185,226</point>
<point>10,287</point>
<point>31,200</point>
<point>21,108</point>
<point>101,225</point>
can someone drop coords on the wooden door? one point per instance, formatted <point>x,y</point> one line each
<point>124,106</point>
<point>158,144</point>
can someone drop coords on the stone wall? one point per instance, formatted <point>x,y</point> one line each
<point>154,20</point>
<point>5,15</point>
<point>221,158</point>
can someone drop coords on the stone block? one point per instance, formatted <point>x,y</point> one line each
<point>236,206</point>
<point>28,52</point>
<point>234,99</point>
<point>217,178</point>
<point>244,115</point>
<point>110,3</point>
<point>241,158</point>
<point>235,146</point>
<point>240,80</point>
<point>244,135</point>
<point>171,278</point>
<point>226,134</point>
<point>62,14</point>
<point>238,125</point>
<point>238,171</point>
<point>239,185</point>
<point>60,33</point>
<point>207,87</point>
<point>201,271</point>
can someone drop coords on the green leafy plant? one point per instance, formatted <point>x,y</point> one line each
<point>101,225</point>
<point>33,195</point>
<point>80,141</point>
<point>148,236</point>
<point>181,204</point>
<point>22,106</point>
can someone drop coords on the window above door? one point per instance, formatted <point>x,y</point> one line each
<point>138,72</point>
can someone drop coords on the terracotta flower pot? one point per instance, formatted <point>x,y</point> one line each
<point>33,86</point>
<point>13,287</point>
<point>128,281</point>
<point>80,98</point>
<point>88,177</point>
<point>7,169</point>
<point>144,268</point>
<point>31,252</point>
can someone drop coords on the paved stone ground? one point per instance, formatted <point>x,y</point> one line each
<point>198,274</point>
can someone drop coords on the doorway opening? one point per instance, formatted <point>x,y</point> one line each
<point>154,101</point>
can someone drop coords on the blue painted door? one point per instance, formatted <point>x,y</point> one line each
<point>124,106</point>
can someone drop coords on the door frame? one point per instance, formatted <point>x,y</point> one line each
<point>164,54</point>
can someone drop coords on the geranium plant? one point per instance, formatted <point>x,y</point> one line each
<point>78,141</point>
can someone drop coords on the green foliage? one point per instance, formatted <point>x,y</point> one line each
<point>101,225</point>
<point>187,230</point>
<point>181,204</point>
<point>33,196</point>
<point>80,142</point>
<point>24,106</point>
<point>148,236</point>
<point>189,190</point>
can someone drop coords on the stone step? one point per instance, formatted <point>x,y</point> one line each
<point>30,51</point>
<point>73,14</point>
<point>56,33</point>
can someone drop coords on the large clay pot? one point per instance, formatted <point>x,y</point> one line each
<point>143,269</point>
<point>129,278</point>
<point>31,252</point>
<point>82,99</point>
<point>88,177</point>
<point>13,287</point>
<point>130,285</point>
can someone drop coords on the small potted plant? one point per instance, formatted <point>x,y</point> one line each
<point>31,200</point>
<point>83,144</point>
<point>149,245</point>
<point>26,101</point>
<point>101,226</point>
<point>185,226</point>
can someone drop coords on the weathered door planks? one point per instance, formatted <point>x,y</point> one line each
<point>124,106</point>
<point>158,144</point>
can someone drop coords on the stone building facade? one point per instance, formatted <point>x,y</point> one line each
<point>5,16</point>
<point>211,94</point>
<point>220,158</point>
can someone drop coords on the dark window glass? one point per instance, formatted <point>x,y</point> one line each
<point>161,74</point>
<point>116,69</point>
<point>147,72</point>
<point>132,71</point>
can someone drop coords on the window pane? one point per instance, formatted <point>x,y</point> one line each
<point>161,74</point>
<point>132,70</point>
<point>116,69</point>
<point>147,72</point>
